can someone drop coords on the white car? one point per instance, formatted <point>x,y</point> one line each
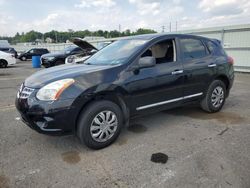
<point>6,59</point>
<point>74,59</point>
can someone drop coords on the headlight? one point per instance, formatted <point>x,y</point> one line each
<point>53,90</point>
<point>50,58</point>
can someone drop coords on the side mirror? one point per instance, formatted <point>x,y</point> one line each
<point>147,61</point>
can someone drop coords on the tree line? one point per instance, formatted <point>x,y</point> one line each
<point>59,36</point>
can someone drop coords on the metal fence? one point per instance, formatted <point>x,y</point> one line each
<point>51,47</point>
<point>236,41</point>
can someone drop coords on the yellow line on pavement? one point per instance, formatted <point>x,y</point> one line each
<point>8,107</point>
<point>15,78</point>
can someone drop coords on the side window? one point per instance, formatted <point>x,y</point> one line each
<point>192,48</point>
<point>163,51</point>
<point>215,48</point>
<point>77,50</point>
<point>31,51</point>
<point>44,51</point>
<point>211,46</point>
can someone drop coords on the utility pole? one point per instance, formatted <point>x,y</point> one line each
<point>170,27</point>
<point>56,36</point>
<point>119,29</point>
<point>163,28</point>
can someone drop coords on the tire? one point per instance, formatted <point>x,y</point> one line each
<point>215,97</point>
<point>94,113</point>
<point>3,63</point>
<point>23,58</point>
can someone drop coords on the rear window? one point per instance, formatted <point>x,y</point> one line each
<point>192,48</point>
<point>4,49</point>
<point>41,50</point>
<point>211,46</point>
<point>215,48</point>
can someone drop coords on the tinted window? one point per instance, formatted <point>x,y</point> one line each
<point>77,49</point>
<point>215,48</point>
<point>4,49</point>
<point>38,51</point>
<point>192,48</point>
<point>211,46</point>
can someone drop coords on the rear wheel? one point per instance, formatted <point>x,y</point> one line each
<point>215,97</point>
<point>99,124</point>
<point>3,63</point>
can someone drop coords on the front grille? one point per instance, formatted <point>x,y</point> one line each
<point>24,92</point>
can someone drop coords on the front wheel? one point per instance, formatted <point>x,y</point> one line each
<point>23,58</point>
<point>99,124</point>
<point>3,63</point>
<point>215,97</point>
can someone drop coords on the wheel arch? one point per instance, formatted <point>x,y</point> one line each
<point>225,79</point>
<point>115,97</point>
<point>4,60</point>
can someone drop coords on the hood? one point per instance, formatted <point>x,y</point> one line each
<point>43,77</point>
<point>83,44</point>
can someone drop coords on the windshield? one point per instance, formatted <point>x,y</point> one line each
<point>69,49</point>
<point>116,53</point>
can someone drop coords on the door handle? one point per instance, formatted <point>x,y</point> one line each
<point>177,72</point>
<point>212,65</point>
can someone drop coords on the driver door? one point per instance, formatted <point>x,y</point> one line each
<point>30,54</point>
<point>158,87</point>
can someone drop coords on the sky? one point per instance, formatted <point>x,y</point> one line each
<point>46,15</point>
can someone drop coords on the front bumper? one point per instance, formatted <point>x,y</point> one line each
<point>11,61</point>
<point>46,62</point>
<point>52,118</point>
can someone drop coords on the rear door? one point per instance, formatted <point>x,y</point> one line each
<point>199,67</point>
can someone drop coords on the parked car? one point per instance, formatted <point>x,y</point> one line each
<point>9,50</point>
<point>81,47</point>
<point>81,57</point>
<point>6,59</point>
<point>32,52</point>
<point>130,77</point>
<point>74,59</point>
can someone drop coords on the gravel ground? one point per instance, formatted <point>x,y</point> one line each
<point>196,149</point>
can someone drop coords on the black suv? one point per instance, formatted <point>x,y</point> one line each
<point>32,52</point>
<point>131,76</point>
<point>58,58</point>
